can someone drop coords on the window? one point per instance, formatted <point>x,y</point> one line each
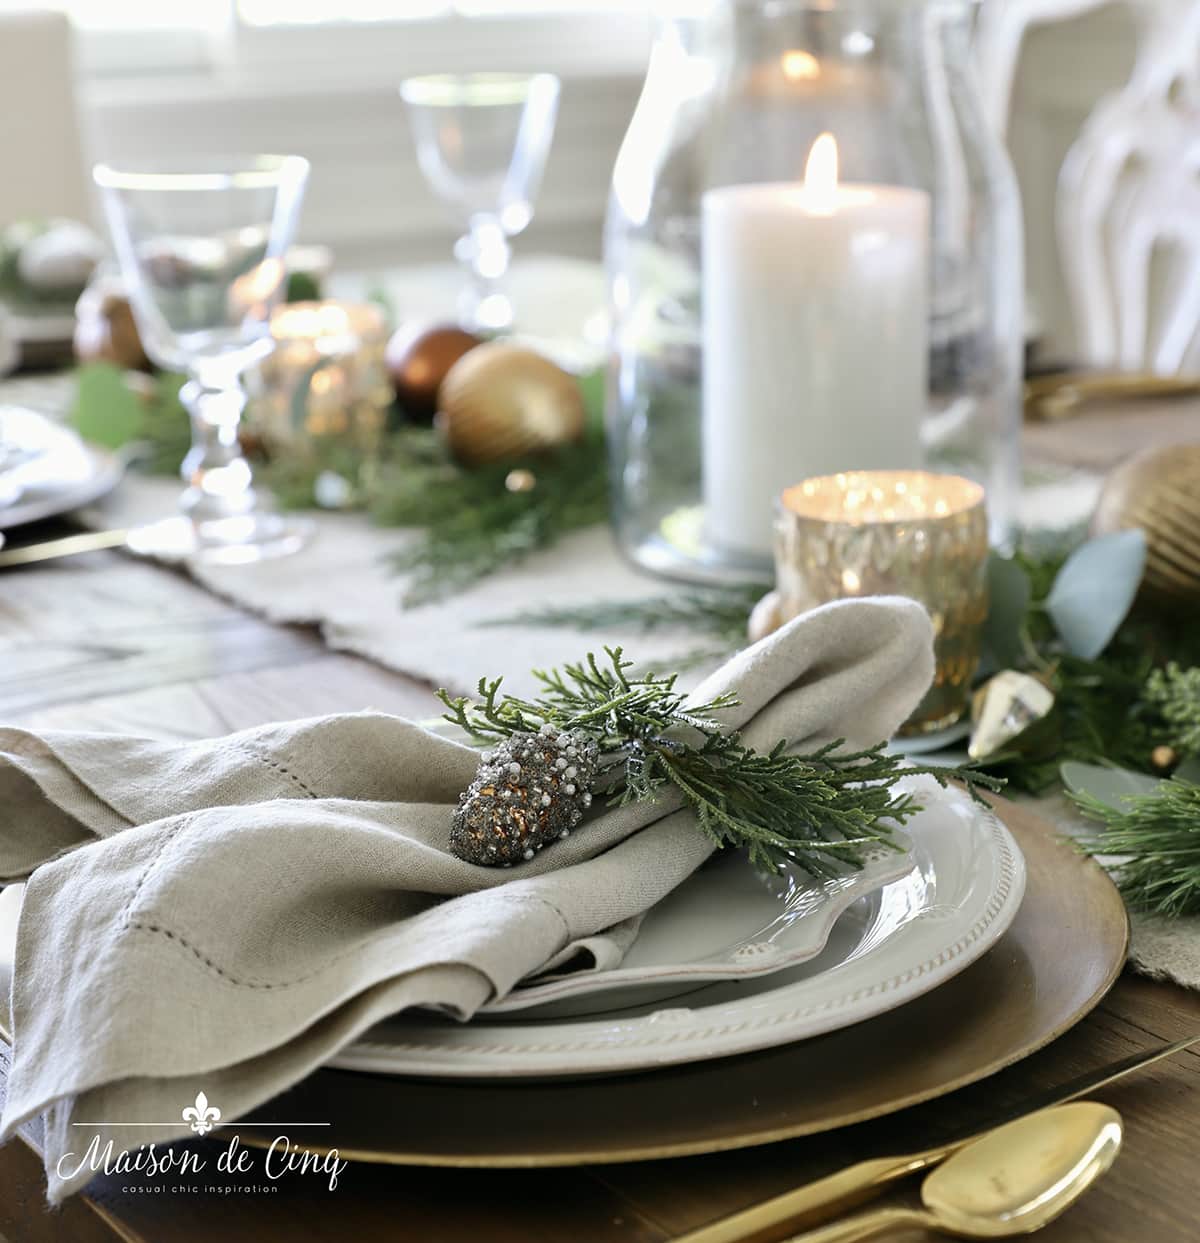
<point>247,38</point>
<point>305,12</point>
<point>126,15</point>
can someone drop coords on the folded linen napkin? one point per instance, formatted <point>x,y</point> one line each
<point>225,915</point>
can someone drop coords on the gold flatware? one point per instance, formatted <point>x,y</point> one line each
<point>1013,1180</point>
<point>67,546</point>
<point>864,1180</point>
<point>1053,397</point>
<point>169,539</point>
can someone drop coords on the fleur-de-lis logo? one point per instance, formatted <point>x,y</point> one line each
<point>201,1115</point>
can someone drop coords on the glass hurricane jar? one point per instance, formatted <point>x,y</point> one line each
<point>814,258</point>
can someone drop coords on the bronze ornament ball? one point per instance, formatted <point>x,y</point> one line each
<point>504,401</point>
<point>105,330</point>
<point>417,361</point>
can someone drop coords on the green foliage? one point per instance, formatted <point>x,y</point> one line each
<point>118,410</point>
<point>717,614</point>
<point>1102,712</point>
<point>1156,837</point>
<point>817,810</point>
<point>1094,590</point>
<point>472,525</point>
<point>1175,693</point>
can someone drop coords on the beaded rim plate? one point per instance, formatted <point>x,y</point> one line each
<point>958,898</point>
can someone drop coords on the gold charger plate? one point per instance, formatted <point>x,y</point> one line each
<point>1062,954</point>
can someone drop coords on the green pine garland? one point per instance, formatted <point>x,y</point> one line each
<point>1156,838</point>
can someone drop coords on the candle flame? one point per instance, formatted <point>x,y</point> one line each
<point>800,66</point>
<point>821,175</point>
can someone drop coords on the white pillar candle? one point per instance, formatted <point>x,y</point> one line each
<point>816,339</point>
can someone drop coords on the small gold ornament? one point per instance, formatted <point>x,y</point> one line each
<point>1003,708</point>
<point>503,401</point>
<point>1164,757</point>
<point>1159,491</point>
<point>520,480</point>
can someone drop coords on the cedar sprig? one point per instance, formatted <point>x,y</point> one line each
<point>1175,693</point>
<point>818,810</point>
<point>1156,839</point>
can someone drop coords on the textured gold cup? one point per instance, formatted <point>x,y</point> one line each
<point>325,380</point>
<point>893,532</point>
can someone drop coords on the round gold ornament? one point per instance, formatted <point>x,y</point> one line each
<point>503,401</point>
<point>1159,491</point>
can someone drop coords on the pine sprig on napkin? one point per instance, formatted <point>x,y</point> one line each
<point>819,810</point>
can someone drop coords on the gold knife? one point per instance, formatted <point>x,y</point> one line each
<point>168,539</point>
<point>864,1180</point>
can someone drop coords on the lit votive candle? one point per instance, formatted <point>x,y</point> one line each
<point>326,377</point>
<point>903,533</point>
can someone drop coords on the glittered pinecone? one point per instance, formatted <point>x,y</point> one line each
<point>530,790</point>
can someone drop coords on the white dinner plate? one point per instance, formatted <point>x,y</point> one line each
<point>62,473</point>
<point>957,899</point>
<point>765,924</point>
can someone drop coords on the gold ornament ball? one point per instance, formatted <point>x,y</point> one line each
<point>503,401</point>
<point>418,360</point>
<point>1159,491</point>
<point>1164,757</point>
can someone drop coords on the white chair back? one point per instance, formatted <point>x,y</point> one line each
<point>41,152</point>
<point>1129,207</point>
<point>1000,30</point>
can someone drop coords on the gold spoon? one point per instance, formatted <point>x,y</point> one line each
<point>1013,1180</point>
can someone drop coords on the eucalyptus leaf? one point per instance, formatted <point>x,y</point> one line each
<point>1094,590</point>
<point>107,412</point>
<point>1189,770</point>
<point>1009,596</point>
<point>1107,785</point>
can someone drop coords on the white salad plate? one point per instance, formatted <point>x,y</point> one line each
<point>958,896</point>
<point>765,924</point>
<point>56,472</point>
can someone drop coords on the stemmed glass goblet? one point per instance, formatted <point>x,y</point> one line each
<point>201,247</point>
<point>482,140</point>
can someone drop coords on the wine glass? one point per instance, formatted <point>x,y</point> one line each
<point>201,246</point>
<point>482,141</point>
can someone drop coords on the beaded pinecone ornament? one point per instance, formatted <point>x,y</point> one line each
<point>530,790</point>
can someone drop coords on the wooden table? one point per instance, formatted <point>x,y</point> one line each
<point>104,643</point>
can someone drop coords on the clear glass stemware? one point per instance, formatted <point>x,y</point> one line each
<point>201,246</point>
<point>482,140</point>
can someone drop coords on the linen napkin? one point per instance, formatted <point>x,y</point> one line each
<point>225,915</point>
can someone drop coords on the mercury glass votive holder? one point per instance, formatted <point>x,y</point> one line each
<point>326,379</point>
<point>894,532</point>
